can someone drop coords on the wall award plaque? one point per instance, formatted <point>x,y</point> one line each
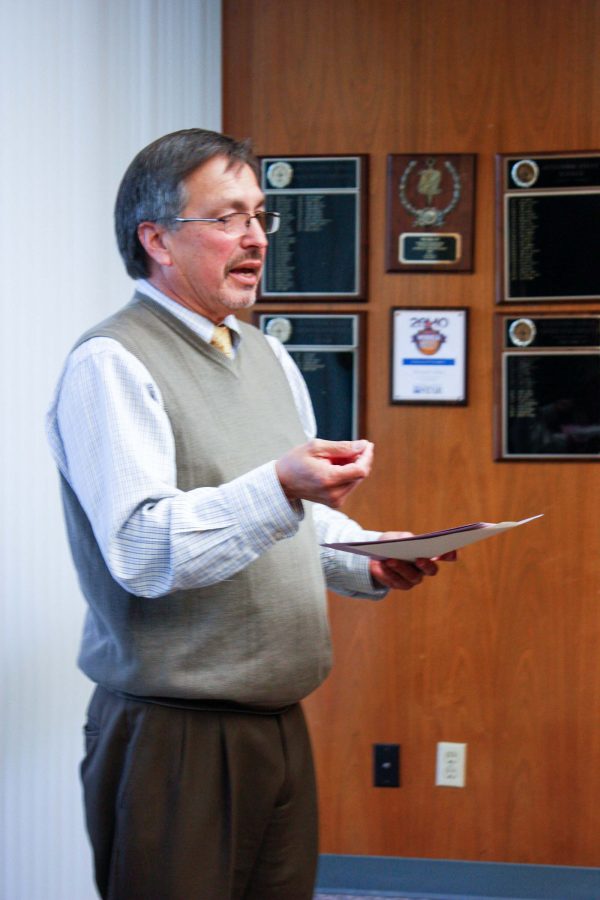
<point>547,387</point>
<point>429,355</point>
<point>548,227</point>
<point>327,350</point>
<point>430,212</point>
<point>319,251</point>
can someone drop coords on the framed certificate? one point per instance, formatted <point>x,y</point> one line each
<point>547,387</point>
<point>548,227</point>
<point>319,251</point>
<point>429,356</point>
<point>430,210</point>
<point>327,348</point>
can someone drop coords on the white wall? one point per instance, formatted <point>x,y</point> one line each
<point>84,85</point>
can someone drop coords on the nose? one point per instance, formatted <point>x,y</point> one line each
<point>254,235</point>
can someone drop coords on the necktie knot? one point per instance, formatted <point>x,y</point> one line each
<point>221,339</point>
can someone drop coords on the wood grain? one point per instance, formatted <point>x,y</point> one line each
<point>502,649</point>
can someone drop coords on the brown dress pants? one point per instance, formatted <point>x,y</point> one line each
<point>187,804</point>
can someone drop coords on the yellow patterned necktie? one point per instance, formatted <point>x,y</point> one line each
<point>221,339</point>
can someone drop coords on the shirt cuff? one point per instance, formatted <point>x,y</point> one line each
<point>258,501</point>
<point>363,584</point>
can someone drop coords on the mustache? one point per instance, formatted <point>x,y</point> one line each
<point>253,255</point>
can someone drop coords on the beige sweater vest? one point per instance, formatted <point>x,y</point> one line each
<point>260,638</point>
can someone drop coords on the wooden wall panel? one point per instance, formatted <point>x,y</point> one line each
<point>502,650</point>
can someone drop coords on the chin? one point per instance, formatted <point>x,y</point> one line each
<point>243,301</point>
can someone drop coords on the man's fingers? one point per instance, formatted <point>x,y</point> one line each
<point>339,452</point>
<point>397,574</point>
<point>426,566</point>
<point>324,471</point>
<point>402,575</point>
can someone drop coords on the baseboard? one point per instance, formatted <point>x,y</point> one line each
<point>440,878</point>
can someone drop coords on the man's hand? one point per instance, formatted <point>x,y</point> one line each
<point>402,575</point>
<point>324,471</point>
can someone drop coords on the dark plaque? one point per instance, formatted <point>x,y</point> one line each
<point>319,251</point>
<point>430,212</point>
<point>548,387</point>
<point>326,349</point>
<point>549,227</point>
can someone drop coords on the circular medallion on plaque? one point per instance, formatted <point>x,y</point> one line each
<point>279,328</point>
<point>279,174</point>
<point>525,173</point>
<point>522,332</point>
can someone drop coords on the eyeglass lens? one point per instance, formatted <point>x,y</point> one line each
<point>240,222</point>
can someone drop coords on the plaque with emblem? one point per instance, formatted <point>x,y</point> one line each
<point>429,356</point>
<point>547,387</point>
<point>548,227</point>
<point>319,251</point>
<point>430,211</point>
<point>327,348</point>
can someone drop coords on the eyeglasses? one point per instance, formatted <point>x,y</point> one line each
<point>238,223</point>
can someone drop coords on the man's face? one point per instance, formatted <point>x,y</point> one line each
<point>201,265</point>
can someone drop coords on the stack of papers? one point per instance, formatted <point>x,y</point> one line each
<point>434,543</point>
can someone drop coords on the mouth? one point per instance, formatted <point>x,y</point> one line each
<point>246,273</point>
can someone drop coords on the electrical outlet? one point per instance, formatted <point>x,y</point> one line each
<point>450,770</point>
<point>386,765</point>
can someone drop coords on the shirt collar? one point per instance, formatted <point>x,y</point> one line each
<point>197,323</point>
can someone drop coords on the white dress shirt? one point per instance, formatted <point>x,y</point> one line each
<point>112,441</point>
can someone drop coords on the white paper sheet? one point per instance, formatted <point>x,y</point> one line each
<point>435,543</point>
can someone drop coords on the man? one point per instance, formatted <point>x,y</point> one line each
<point>185,469</point>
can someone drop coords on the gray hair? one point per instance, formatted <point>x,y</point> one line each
<point>153,187</point>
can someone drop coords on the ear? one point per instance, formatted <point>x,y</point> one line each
<point>151,236</point>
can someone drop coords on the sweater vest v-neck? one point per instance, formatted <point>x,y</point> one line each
<point>260,638</point>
